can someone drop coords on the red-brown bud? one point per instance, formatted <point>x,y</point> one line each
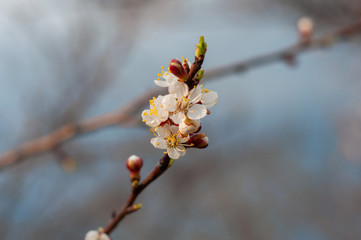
<point>134,164</point>
<point>177,69</point>
<point>199,140</point>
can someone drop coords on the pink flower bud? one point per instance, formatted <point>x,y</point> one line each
<point>199,140</point>
<point>177,69</point>
<point>305,28</point>
<point>189,126</point>
<point>134,163</point>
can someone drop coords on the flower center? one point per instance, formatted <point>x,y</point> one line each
<point>172,140</point>
<point>184,103</point>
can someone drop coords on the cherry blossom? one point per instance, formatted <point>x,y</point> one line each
<point>157,112</point>
<point>191,104</point>
<point>96,235</point>
<point>176,117</point>
<point>169,138</point>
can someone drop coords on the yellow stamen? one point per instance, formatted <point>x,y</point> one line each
<point>173,140</point>
<point>205,90</point>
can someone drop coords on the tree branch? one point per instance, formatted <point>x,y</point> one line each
<point>286,54</point>
<point>162,166</point>
<point>127,115</point>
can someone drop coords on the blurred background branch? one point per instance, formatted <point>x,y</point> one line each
<point>128,115</point>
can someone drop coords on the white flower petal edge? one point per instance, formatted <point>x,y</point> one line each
<point>161,83</point>
<point>209,99</point>
<point>173,153</point>
<point>169,79</point>
<point>197,112</point>
<point>195,94</point>
<point>158,142</point>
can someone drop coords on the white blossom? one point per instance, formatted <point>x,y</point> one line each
<point>169,138</point>
<point>191,104</point>
<point>96,235</point>
<point>157,112</point>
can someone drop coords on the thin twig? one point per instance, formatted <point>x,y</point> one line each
<point>127,115</point>
<point>324,41</point>
<point>162,166</point>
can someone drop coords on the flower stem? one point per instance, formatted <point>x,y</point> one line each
<point>162,166</point>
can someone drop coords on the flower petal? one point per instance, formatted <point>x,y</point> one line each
<point>197,111</point>
<point>145,115</point>
<point>161,83</point>
<point>170,102</point>
<point>189,126</point>
<point>183,139</point>
<point>158,101</point>
<point>174,129</point>
<point>178,89</point>
<point>195,94</point>
<point>163,131</point>
<point>173,153</point>
<point>209,99</point>
<point>159,142</point>
<point>163,114</point>
<point>150,120</point>
<point>170,78</point>
<point>181,149</point>
<point>178,117</point>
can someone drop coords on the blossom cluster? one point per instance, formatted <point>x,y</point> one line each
<point>176,117</point>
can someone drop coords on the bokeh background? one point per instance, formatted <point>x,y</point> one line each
<point>284,159</point>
